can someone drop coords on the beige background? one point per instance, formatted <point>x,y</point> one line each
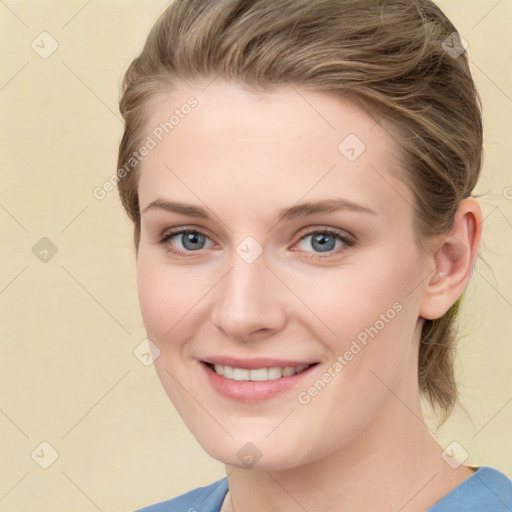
<point>68,373</point>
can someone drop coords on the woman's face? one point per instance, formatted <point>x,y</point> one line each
<point>277,248</point>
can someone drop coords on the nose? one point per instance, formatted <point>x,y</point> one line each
<point>248,304</point>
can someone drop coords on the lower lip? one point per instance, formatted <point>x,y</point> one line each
<point>252,391</point>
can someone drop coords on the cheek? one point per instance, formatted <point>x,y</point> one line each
<point>172,299</point>
<point>153,297</point>
<point>345,302</point>
<point>166,294</point>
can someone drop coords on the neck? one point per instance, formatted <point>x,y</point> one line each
<point>394,465</point>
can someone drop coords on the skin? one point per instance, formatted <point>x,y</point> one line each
<point>242,157</point>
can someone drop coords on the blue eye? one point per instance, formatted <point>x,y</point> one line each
<point>324,241</point>
<point>189,240</point>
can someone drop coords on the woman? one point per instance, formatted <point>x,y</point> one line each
<point>299,176</point>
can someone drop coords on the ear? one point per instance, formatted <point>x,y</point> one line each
<point>453,256</point>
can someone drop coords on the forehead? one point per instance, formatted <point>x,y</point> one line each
<point>270,147</point>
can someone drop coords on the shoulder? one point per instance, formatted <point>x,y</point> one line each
<point>487,490</point>
<point>202,499</point>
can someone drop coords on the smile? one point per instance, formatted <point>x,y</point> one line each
<point>257,374</point>
<point>263,380</point>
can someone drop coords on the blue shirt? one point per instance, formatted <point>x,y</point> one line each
<point>486,490</point>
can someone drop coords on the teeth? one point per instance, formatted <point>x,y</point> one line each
<point>258,374</point>
<point>240,374</point>
<point>288,371</point>
<point>228,372</point>
<point>275,373</point>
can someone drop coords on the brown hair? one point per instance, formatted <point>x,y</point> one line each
<point>391,57</point>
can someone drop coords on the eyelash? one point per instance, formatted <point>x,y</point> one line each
<point>348,241</point>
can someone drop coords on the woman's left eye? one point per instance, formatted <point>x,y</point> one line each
<point>322,241</point>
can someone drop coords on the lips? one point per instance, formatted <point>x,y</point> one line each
<point>254,380</point>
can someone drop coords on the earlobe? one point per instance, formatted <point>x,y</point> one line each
<point>453,258</point>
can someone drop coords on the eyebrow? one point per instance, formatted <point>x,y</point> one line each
<point>293,212</point>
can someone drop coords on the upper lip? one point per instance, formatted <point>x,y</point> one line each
<point>256,362</point>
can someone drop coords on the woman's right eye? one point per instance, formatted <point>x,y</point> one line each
<point>185,241</point>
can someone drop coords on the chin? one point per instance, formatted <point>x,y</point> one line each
<point>259,455</point>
